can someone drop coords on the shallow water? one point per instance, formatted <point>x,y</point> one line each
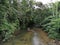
<point>30,38</point>
<point>20,40</point>
<point>36,40</point>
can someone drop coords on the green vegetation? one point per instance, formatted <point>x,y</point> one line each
<point>52,23</point>
<point>15,15</point>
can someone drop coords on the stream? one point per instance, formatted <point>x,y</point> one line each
<point>36,40</point>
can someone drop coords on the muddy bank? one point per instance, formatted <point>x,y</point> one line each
<point>44,36</point>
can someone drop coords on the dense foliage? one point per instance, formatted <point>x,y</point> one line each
<point>51,24</point>
<point>15,15</point>
<point>8,19</point>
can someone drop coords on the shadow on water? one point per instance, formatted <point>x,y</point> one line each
<point>23,39</point>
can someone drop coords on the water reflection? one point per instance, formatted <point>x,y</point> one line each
<point>36,39</point>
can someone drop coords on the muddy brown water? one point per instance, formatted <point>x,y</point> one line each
<point>39,38</point>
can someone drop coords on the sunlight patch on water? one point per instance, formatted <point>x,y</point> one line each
<point>36,39</point>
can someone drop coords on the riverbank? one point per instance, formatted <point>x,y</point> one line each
<point>44,37</point>
<point>35,36</point>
